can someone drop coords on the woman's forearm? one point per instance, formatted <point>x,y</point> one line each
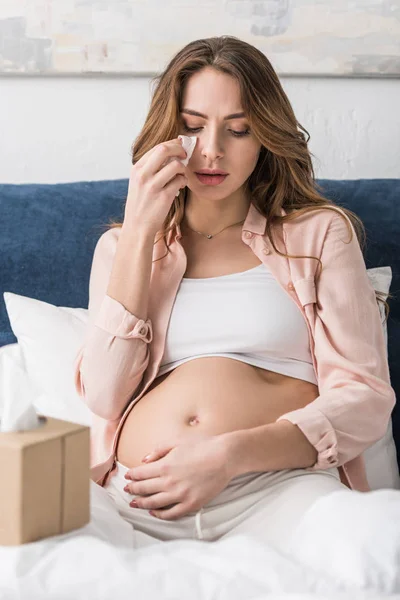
<point>115,353</point>
<point>130,276</point>
<point>271,447</point>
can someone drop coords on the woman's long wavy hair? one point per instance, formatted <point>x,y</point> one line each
<point>284,174</point>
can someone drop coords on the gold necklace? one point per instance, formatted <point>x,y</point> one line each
<point>209,236</point>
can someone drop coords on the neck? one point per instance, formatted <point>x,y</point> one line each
<point>210,217</point>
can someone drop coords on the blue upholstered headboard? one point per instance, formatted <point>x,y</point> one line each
<point>48,235</point>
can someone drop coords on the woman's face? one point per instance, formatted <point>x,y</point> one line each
<point>226,144</point>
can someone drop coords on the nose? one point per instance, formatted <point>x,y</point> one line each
<point>211,146</point>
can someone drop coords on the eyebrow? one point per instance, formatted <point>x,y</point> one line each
<point>189,111</point>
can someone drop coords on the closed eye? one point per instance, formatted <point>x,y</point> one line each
<point>234,133</point>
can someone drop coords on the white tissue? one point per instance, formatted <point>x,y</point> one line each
<point>188,143</point>
<point>18,412</point>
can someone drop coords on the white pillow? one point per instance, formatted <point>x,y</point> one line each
<point>381,459</point>
<point>50,336</point>
<point>381,279</point>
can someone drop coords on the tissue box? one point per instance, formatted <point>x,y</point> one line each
<point>45,481</point>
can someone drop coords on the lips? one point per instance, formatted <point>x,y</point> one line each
<point>210,179</point>
<point>211,173</point>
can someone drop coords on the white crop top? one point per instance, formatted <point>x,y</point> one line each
<point>246,316</point>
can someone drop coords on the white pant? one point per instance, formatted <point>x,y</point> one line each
<point>264,505</point>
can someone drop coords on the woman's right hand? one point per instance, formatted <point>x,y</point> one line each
<point>153,184</point>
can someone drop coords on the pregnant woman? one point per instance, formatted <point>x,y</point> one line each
<point>234,358</point>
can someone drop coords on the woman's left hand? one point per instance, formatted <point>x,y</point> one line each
<point>185,475</point>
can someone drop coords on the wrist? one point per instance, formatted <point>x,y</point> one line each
<point>232,448</point>
<point>136,235</point>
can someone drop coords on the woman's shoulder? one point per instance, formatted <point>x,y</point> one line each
<point>318,219</point>
<point>107,243</point>
<point>109,238</point>
<point>309,231</point>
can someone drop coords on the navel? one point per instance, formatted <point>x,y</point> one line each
<point>193,420</point>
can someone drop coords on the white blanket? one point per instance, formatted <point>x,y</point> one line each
<point>347,546</point>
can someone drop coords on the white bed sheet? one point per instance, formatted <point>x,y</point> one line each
<point>346,546</point>
<point>353,554</point>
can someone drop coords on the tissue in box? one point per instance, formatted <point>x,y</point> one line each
<point>45,481</point>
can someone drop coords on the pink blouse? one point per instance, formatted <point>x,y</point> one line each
<point>121,353</point>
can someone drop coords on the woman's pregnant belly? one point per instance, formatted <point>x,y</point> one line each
<point>207,396</point>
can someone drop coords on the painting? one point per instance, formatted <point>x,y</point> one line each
<point>344,38</point>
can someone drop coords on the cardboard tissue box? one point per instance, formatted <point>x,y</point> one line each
<point>45,481</point>
<point>45,473</point>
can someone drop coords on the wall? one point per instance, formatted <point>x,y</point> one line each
<point>61,129</point>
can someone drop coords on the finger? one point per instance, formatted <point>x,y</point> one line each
<point>144,488</point>
<point>176,512</point>
<point>155,501</point>
<point>143,472</point>
<point>149,153</point>
<point>157,453</point>
<point>172,149</point>
<point>148,470</point>
<point>169,173</point>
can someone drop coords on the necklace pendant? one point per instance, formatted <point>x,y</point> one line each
<point>209,236</point>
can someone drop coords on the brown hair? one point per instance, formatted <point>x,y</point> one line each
<point>284,174</point>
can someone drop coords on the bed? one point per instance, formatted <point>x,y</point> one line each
<point>346,546</point>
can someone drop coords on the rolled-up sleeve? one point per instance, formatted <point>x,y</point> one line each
<point>110,364</point>
<point>355,399</point>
